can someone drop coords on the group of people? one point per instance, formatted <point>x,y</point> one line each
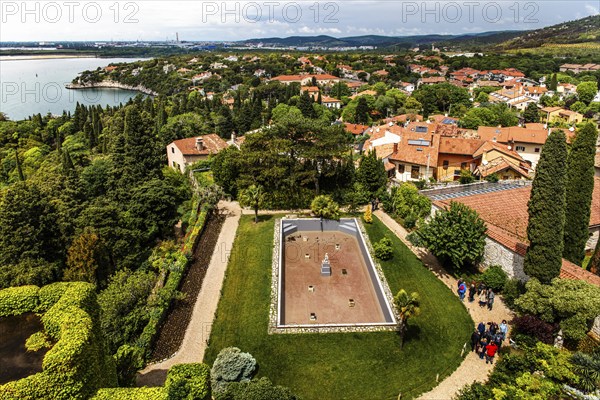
<point>487,340</point>
<point>484,295</point>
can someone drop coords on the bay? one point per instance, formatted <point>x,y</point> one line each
<point>37,85</point>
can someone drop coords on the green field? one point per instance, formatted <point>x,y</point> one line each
<point>339,366</point>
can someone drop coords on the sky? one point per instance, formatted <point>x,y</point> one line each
<point>195,20</point>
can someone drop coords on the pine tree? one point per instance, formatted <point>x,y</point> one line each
<point>362,111</point>
<point>553,83</point>
<point>580,186</point>
<point>305,105</point>
<point>547,211</point>
<point>531,113</point>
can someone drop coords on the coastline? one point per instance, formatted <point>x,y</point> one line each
<point>44,57</point>
<point>110,85</point>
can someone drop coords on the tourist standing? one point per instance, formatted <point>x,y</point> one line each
<point>504,329</point>
<point>490,352</point>
<point>490,299</point>
<point>481,329</point>
<point>482,298</point>
<point>475,337</point>
<point>462,289</point>
<point>472,291</point>
<point>482,347</point>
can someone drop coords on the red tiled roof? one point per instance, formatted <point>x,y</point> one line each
<point>212,144</point>
<point>573,271</point>
<point>417,154</point>
<point>506,213</point>
<point>451,145</point>
<point>500,164</point>
<point>355,129</point>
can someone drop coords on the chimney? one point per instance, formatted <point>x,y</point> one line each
<point>199,143</point>
<point>395,147</point>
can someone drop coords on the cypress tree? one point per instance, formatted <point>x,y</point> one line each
<point>371,173</point>
<point>547,211</point>
<point>362,111</point>
<point>553,83</point>
<point>580,185</point>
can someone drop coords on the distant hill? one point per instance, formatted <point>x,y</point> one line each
<point>579,31</point>
<point>377,40</point>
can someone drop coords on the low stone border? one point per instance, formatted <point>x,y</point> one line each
<point>274,329</point>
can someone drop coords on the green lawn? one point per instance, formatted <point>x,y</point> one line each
<point>339,366</point>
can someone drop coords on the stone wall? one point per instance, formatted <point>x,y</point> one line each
<point>508,260</point>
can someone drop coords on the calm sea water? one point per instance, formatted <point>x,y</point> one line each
<point>38,86</point>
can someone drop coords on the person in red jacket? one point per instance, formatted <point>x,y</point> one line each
<point>490,352</point>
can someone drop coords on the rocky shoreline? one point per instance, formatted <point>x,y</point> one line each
<point>111,85</point>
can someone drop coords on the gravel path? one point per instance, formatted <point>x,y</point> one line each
<point>198,330</point>
<point>472,368</point>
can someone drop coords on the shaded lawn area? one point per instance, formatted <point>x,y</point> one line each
<point>346,365</point>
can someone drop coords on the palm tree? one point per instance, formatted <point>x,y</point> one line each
<point>408,306</point>
<point>252,197</point>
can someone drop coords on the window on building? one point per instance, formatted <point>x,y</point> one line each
<point>400,168</point>
<point>172,149</point>
<point>520,148</point>
<point>446,163</point>
<point>463,165</point>
<point>415,171</point>
<point>537,149</point>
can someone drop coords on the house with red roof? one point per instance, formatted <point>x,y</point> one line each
<point>505,212</point>
<point>185,152</point>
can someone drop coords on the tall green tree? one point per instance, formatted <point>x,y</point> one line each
<point>362,111</point>
<point>455,235</point>
<point>580,186</point>
<point>371,174</point>
<point>531,113</point>
<point>553,83</point>
<point>586,91</point>
<point>545,230</point>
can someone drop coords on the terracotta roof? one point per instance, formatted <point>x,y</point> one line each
<point>327,99</point>
<point>389,166</point>
<point>439,118</point>
<point>355,129</point>
<point>513,134</point>
<point>404,117</point>
<point>573,271</point>
<point>212,144</point>
<point>498,165</point>
<point>433,79</point>
<point>505,213</point>
<point>364,93</point>
<point>417,154</point>
<point>309,89</point>
<point>551,109</point>
<point>490,145</point>
<point>450,145</point>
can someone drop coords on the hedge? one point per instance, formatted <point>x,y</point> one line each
<point>176,271</point>
<point>184,382</point>
<point>188,381</point>
<point>143,393</point>
<point>19,300</point>
<point>77,365</point>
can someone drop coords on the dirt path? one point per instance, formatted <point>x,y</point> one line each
<point>472,368</point>
<point>198,331</point>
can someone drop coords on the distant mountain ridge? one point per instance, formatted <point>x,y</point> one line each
<point>579,31</point>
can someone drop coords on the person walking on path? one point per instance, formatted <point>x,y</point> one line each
<point>482,298</point>
<point>504,329</point>
<point>490,299</point>
<point>490,352</point>
<point>481,329</point>
<point>475,337</point>
<point>472,291</point>
<point>482,346</point>
<point>462,289</point>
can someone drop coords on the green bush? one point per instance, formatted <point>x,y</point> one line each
<point>383,249</point>
<point>50,294</point>
<point>129,359</point>
<point>188,382</point>
<point>513,289</point>
<point>38,341</point>
<point>494,277</point>
<point>231,365</point>
<point>143,393</point>
<point>257,389</point>
<point>18,300</point>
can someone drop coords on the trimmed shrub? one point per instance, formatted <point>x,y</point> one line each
<point>143,393</point>
<point>188,382</point>
<point>38,341</point>
<point>129,360</point>
<point>231,365</point>
<point>50,294</point>
<point>257,389</point>
<point>535,327</point>
<point>513,289</point>
<point>383,249</point>
<point>18,300</point>
<point>494,277</point>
